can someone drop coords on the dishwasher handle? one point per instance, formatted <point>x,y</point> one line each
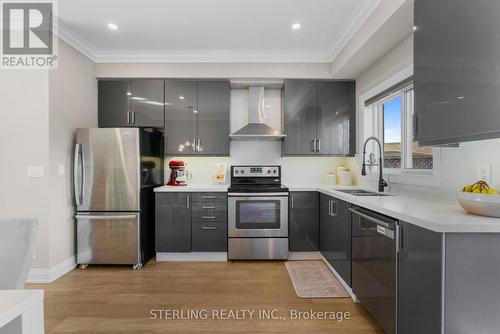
<point>390,226</point>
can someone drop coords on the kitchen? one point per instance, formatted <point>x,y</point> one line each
<point>223,175</point>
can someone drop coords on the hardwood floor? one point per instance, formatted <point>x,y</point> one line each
<point>120,300</point>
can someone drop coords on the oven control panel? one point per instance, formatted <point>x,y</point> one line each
<point>256,171</point>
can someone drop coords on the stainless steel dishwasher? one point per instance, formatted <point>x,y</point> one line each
<point>374,265</point>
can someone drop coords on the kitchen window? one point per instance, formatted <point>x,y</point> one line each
<point>390,118</point>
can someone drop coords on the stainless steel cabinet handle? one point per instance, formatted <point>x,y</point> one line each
<point>209,227</point>
<point>329,207</point>
<point>200,148</point>
<point>128,117</point>
<point>208,197</point>
<point>133,117</point>
<point>318,145</point>
<point>187,201</point>
<point>333,208</point>
<point>115,217</point>
<point>208,217</point>
<point>291,200</point>
<point>313,145</point>
<point>208,207</point>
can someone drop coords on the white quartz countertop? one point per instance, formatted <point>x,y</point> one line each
<point>194,188</point>
<point>432,214</point>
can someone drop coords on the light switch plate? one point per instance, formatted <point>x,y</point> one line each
<point>36,171</point>
<point>61,169</point>
<point>484,173</point>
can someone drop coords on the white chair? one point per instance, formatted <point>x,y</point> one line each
<point>17,244</point>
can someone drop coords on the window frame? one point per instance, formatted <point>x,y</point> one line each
<point>423,177</point>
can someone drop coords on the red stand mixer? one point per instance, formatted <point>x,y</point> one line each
<point>178,175</point>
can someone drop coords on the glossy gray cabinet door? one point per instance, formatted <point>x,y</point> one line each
<point>419,280</point>
<point>209,236</point>
<point>335,235</point>
<point>173,222</point>
<point>304,221</point>
<point>299,119</point>
<point>180,116</point>
<point>457,70</point>
<point>114,103</point>
<point>213,117</point>
<point>336,127</point>
<point>147,103</point>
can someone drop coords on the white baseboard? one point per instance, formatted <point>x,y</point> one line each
<point>301,256</point>
<point>192,256</point>
<point>49,275</point>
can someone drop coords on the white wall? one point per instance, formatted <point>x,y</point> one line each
<point>24,141</point>
<point>213,70</point>
<point>72,104</point>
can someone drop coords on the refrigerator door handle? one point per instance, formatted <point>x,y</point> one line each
<point>115,217</point>
<point>78,182</point>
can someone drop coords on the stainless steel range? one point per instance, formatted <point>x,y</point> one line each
<point>257,214</point>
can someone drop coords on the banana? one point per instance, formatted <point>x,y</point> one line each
<point>479,187</point>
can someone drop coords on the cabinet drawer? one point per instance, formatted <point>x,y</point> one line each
<point>206,216</point>
<point>209,237</point>
<point>209,206</point>
<point>209,197</point>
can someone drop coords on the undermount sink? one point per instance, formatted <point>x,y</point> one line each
<point>361,192</point>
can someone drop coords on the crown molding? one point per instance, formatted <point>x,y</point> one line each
<point>357,20</point>
<point>63,33</point>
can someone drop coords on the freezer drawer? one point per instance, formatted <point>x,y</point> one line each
<point>108,238</point>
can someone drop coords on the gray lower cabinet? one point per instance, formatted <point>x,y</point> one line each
<point>188,222</point>
<point>303,222</point>
<point>209,222</point>
<point>319,117</point>
<point>456,70</point>
<point>419,280</point>
<point>197,117</point>
<point>335,234</point>
<point>173,222</point>
<point>136,103</point>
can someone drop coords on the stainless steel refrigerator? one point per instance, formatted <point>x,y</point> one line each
<point>115,172</point>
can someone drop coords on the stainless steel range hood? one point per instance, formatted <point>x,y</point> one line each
<point>256,129</point>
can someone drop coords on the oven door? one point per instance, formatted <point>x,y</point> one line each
<point>258,216</point>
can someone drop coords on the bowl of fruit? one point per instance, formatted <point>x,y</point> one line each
<point>480,199</point>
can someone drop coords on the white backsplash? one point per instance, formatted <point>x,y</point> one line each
<point>294,169</point>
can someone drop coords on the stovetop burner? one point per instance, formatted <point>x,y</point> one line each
<point>255,179</point>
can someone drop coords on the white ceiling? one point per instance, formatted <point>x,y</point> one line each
<point>211,30</point>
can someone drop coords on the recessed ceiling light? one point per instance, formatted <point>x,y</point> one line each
<point>181,97</point>
<point>296,26</point>
<point>415,28</point>
<point>112,26</point>
<point>195,111</point>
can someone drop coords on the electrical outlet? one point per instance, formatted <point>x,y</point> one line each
<point>308,170</point>
<point>61,169</point>
<point>484,173</point>
<point>36,171</point>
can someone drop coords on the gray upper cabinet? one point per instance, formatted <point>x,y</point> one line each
<point>299,117</point>
<point>114,103</point>
<point>304,221</point>
<point>180,116</point>
<point>336,117</point>
<point>197,117</point>
<point>213,117</point>
<point>319,117</point>
<point>138,103</point>
<point>457,66</point>
<point>148,103</point>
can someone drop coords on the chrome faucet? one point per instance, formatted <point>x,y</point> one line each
<point>381,183</point>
